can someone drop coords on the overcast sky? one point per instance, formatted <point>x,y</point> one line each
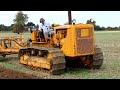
<point>102,18</point>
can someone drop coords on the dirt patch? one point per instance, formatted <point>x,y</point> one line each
<point>11,74</point>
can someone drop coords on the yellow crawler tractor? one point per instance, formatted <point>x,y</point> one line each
<point>71,45</point>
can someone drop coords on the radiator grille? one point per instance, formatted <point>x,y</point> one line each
<point>84,44</point>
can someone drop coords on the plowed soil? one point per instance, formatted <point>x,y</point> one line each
<point>10,74</point>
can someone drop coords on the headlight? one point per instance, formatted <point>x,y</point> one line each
<point>73,21</point>
<point>91,20</point>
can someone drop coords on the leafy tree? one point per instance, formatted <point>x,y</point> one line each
<point>30,24</point>
<point>4,28</point>
<point>109,28</point>
<point>19,22</point>
<point>1,27</point>
<point>96,27</point>
<point>103,28</point>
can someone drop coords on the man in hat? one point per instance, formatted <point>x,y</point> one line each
<point>46,28</point>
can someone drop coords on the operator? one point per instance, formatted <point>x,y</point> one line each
<point>46,28</point>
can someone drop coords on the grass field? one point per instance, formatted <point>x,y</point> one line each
<point>109,41</point>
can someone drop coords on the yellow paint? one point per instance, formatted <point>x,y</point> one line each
<point>69,43</point>
<point>84,33</point>
<point>33,36</point>
<point>36,61</point>
<point>26,57</point>
<point>49,56</point>
<point>11,43</point>
<point>23,62</point>
<point>66,36</point>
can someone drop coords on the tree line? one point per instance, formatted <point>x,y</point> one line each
<point>21,24</point>
<point>99,28</point>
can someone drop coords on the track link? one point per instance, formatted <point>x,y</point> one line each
<point>58,63</point>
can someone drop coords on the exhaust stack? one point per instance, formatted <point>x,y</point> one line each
<point>69,18</point>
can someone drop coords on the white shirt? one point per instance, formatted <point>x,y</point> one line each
<point>45,27</point>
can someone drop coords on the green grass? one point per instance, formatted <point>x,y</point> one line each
<point>109,42</point>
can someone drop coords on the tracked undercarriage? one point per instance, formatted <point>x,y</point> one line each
<point>97,58</point>
<point>50,60</point>
<point>87,62</point>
